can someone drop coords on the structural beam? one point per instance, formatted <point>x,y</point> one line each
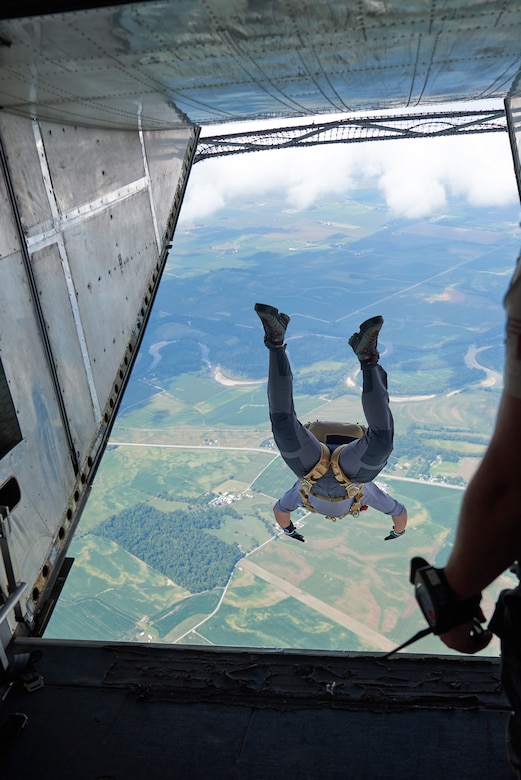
<point>353,130</point>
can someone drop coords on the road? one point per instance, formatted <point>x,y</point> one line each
<point>373,638</point>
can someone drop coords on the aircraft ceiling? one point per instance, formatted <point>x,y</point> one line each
<point>166,63</point>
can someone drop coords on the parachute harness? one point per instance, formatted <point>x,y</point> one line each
<point>328,459</point>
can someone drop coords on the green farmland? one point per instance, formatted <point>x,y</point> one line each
<point>345,575</point>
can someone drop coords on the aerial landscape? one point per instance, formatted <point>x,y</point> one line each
<point>178,542</point>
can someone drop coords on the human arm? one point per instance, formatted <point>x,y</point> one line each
<point>282,518</point>
<point>283,515</point>
<point>488,537</point>
<point>400,522</point>
<point>377,498</point>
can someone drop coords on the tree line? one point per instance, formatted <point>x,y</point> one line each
<point>178,543</point>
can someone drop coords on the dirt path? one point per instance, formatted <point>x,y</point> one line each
<point>375,639</point>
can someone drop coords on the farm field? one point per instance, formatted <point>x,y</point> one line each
<point>323,594</point>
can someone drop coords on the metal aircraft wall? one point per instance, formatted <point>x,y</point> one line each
<point>86,218</point>
<point>99,114</point>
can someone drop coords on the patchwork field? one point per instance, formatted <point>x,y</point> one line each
<point>345,588</point>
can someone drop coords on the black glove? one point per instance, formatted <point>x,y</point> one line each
<point>394,534</point>
<point>294,535</point>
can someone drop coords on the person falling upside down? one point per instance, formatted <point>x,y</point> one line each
<point>332,481</point>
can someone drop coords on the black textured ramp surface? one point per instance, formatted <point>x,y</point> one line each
<point>131,712</point>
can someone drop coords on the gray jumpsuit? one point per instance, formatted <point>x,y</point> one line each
<point>361,460</point>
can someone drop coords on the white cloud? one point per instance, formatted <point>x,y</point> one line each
<point>207,197</point>
<point>417,177</point>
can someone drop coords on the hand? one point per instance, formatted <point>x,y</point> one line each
<point>469,637</point>
<point>295,535</point>
<point>394,534</point>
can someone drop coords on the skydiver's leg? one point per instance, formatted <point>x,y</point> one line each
<point>298,447</point>
<point>363,459</point>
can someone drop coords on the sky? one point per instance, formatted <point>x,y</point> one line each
<point>416,176</point>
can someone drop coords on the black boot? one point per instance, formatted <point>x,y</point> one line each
<point>274,324</point>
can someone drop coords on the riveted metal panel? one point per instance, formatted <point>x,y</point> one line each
<point>111,258</point>
<point>40,462</point>
<point>65,345</point>
<point>23,159</point>
<point>9,239</point>
<point>167,63</point>
<point>158,148</point>
<point>83,252</point>
<point>97,164</point>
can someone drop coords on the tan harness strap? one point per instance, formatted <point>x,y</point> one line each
<point>354,490</point>
<point>320,468</point>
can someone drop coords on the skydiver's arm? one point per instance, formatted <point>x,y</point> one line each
<point>379,499</point>
<point>282,518</point>
<point>400,522</point>
<point>283,508</point>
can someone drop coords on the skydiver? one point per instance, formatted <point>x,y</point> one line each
<point>359,461</point>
